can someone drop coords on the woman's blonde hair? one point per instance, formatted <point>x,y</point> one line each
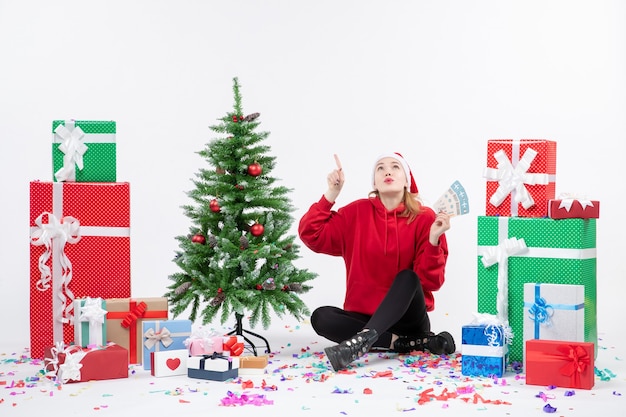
<point>412,204</point>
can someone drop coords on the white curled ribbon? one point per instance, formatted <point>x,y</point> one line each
<point>567,199</point>
<point>61,232</point>
<point>495,329</point>
<point>500,254</point>
<point>70,368</point>
<point>93,313</point>
<point>514,178</point>
<point>153,337</point>
<point>73,148</point>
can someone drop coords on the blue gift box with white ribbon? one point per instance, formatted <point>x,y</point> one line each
<point>484,350</point>
<point>554,312</point>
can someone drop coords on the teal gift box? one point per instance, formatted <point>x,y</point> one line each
<point>163,335</point>
<point>484,350</point>
<point>84,150</point>
<point>513,251</point>
<point>90,322</point>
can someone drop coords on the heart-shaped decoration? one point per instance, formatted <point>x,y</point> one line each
<point>173,364</point>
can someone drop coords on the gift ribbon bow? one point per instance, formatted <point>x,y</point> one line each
<point>233,346</point>
<point>93,313</point>
<point>213,356</point>
<point>500,254</point>
<point>136,313</point>
<point>70,368</point>
<point>541,311</point>
<point>577,360</point>
<point>495,329</point>
<point>73,148</point>
<point>67,230</point>
<point>153,337</point>
<point>568,199</point>
<point>513,179</point>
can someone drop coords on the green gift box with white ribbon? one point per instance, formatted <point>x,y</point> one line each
<point>90,322</point>
<point>84,151</point>
<point>513,251</point>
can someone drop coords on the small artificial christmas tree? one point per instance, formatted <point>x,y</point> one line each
<point>238,255</point>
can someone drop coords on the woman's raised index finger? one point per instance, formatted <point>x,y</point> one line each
<point>338,162</point>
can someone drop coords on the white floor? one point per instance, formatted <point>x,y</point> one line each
<point>299,381</point>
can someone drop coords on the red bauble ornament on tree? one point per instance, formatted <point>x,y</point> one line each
<point>198,238</point>
<point>257,229</point>
<point>255,169</point>
<point>214,205</point>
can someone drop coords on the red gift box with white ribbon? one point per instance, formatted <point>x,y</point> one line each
<point>76,364</point>
<point>80,247</point>
<point>521,177</point>
<point>572,206</point>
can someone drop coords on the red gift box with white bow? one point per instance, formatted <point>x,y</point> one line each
<point>521,177</point>
<point>80,247</point>
<point>76,364</point>
<point>573,207</point>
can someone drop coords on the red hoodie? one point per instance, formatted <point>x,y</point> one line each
<point>375,244</point>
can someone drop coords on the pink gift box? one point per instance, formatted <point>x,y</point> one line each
<point>520,177</point>
<point>199,346</point>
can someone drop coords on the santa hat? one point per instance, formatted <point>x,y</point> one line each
<point>407,171</point>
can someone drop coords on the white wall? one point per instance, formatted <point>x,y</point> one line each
<point>431,79</point>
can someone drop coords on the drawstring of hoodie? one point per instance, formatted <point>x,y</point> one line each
<point>395,219</point>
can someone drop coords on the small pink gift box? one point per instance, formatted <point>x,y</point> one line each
<point>199,346</point>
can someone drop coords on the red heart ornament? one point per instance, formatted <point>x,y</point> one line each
<point>173,364</point>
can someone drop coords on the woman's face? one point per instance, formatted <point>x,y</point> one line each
<point>389,176</point>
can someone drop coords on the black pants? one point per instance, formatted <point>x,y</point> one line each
<point>402,312</point>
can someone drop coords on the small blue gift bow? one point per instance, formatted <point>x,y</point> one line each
<point>540,311</point>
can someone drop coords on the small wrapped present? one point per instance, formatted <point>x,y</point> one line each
<point>214,367</point>
<point>520,177</point>
<point>204,342</point>
<point>75,364</point>
<point>168,362</point>
<point>163,335</point>
<point>252,365</point>
<point>89,322</point>
<point>484,348</point>
<point>84,150</point>
<point>560,363</point>
<point>76,230</point>
<point>554,312</point>
<point>233,345</point>
<point>571,206</point>
<point>124,322</point>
